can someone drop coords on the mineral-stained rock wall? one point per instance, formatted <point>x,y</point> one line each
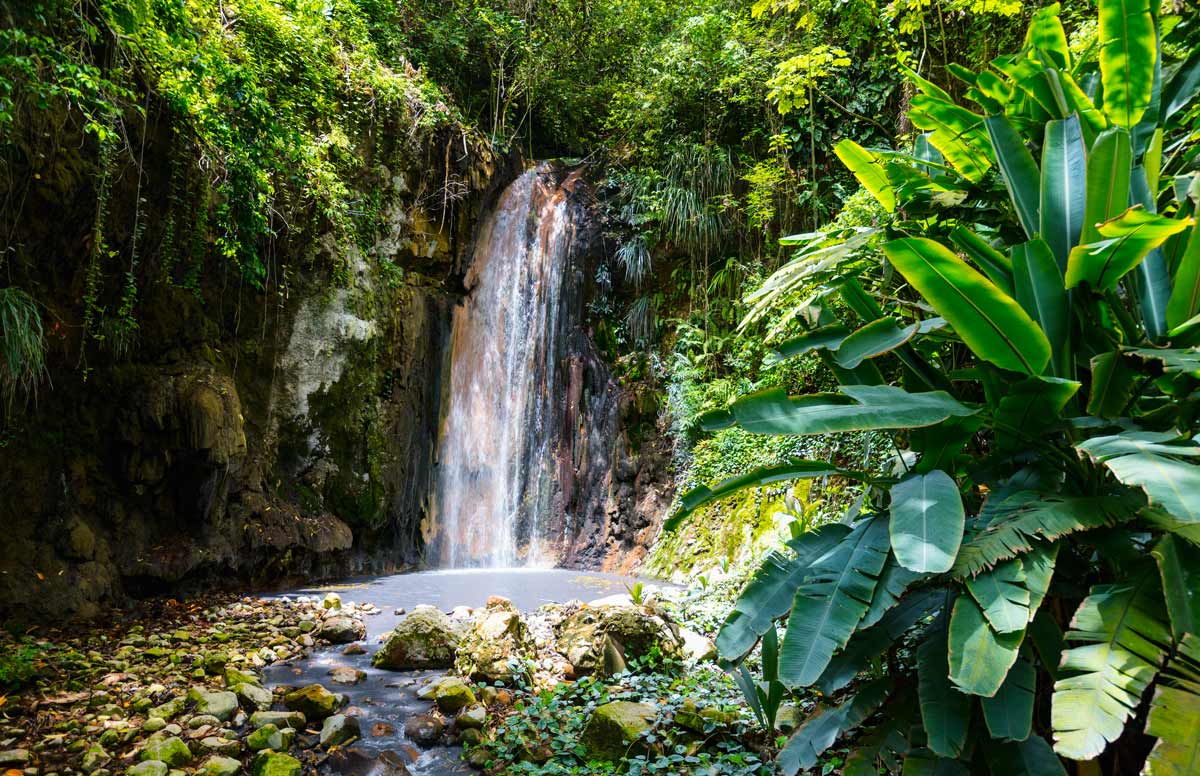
<point>246,435</point>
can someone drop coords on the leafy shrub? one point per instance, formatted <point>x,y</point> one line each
<point>1044,427</point>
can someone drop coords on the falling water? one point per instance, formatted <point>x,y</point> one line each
<point>495,457</point>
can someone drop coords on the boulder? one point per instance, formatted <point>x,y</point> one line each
<point>271,737</point>
<point>332,601</point>
<point>222,705</point>
<point>338,729</point>
<point>282,719</point>
<point>235,677</point>
<point>497,635</point>
<point>614,731</point>
<point>148,768</point>
<point>424,729</point>
<point>252,697</point>
<point>453,694</point>
<point>472,717</point>
<point>346,675</point>
<point>220,766</point>
<point>701,719</point>
<point>602,640</point>
<point>275,764</point>
<point>424,639</point>
<point>166,749</point>
<point>697,648</point>
<point>341,630</point>
<point>314,701</point>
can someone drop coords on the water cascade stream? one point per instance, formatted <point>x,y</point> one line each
<point>496,455</point>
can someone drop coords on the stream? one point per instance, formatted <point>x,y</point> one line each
<point>386,699</point>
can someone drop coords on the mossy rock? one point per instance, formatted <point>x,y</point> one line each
<point>275,764</point>
<point>603,639</point>
<point>696,718</point>
<point>222,705</point>
<point>220,766</point>
<point>614,731</point>
<point>170,750</point>
<point>313,701</point>
<point>497,636</point>
<point>424,639</point>
<point>453,695</point>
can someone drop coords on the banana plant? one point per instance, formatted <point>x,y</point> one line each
<point>1026,329</point>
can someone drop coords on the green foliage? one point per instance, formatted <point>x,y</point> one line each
<point>1054,409</point>
<point>22,346</point>
<point>21,661</point>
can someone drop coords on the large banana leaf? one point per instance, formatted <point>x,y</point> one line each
<point>792,470</point>
<point>1031,757</point>
<point>1113,381</point>
<point>990,322</point>
<point>1003,595</point>
<point>1183,86</point>
<point>1039,570</point>
<point>1175,715</point>
<point>893,582</point>
<point>1123,630</point>
<point>1029,408</point>
<point>956,132</point>
<point>1064,187</point>
<point>1109,165</point>
<point>1179,569</point>
<point>874,339</point>
<point>870,170</point>
<point>826,337</point>
<point>820,731</point>
<point>1185,296</point>
<point>1128,51</point>
<point>945,711</point>
<point>831,601</point>
<point>1013,524</point>
<point>1104,448</point>
<point>868,643</point>
<point>1170,484</point>
<point>926,523</point>
<point>1009,714</point>
<point>1128,239</point>
<point>1019,172</point>
<point>1038,283</point>
<point>1047,37</point>
<point>858,408</point>
<point>994,264</point>
<point>979,656</point>
<point>769,593</point>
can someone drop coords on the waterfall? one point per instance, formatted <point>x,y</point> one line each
<point>497,452</point>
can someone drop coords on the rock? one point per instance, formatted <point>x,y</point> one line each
<point>788,718</point>
<point>471,737</point>
<point>148,768</point>
<point>332,601</point>
<point>354,649</point>
<point>252,697</point>
<point>168,709</point>
<point>696,647</point>
<point>346,675</point>
<point>218,745</point>
<point>234,677</point>
<point>222,705</point>
<point>380,729</point>
<point>275,764</point>
<point>478,758</point>
<point>341,630</point>
<point>94,759</point>
<point>338,729</point>
<point>351,762</point>
<point>424,639</point>
<point>13,757</point>
<point>472,717</point>
<point>314,701</point>
<point>602,640</point>
<point>428,691</point>
<point>453,694</point>
<point>220,766</point>
<point>424,729</point>
<point>700,719</point>
<point>271,737</point>
<point>497,635</point>
<point>154,724</point>
<point>614,731</point>
<point>167,749</point>
<point>282,719</point>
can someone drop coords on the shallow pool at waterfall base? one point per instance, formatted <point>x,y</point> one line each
<point>385,700</point>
